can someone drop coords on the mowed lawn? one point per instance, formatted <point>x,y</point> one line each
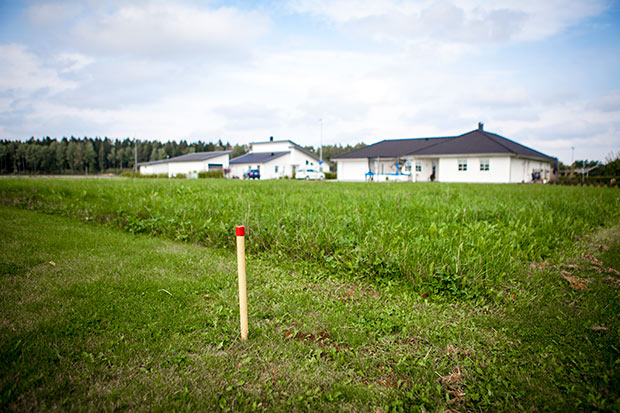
<point>96,318</point>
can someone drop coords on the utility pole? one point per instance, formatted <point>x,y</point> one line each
<point>572,161</point>
<point>321,147</point>
<point>135,154</point>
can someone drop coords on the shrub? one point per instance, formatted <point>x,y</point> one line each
<point>331,175</point>
<point>180,176</point>
<point>128,173</point>
<point>217,173</point>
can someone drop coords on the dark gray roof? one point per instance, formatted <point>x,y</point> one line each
<point>190,157</point>
<point>474,142</point>
<point>257,157</point>
<point>481,142</point>
<point>391,148</point>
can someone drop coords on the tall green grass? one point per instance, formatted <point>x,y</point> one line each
<point>459,240</point>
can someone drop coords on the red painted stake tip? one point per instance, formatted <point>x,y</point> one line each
<point>240,231</point>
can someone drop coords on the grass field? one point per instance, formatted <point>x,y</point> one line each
<point>362,297</point>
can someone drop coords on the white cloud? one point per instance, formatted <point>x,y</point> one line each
<point>52,14</point>
<point>165,30</point>
<point>459,21</point>
<point>71,62</point>
<point>607,103</point>
<point>22,71</point>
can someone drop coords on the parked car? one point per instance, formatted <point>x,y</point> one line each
<point>309,174</point>
<point>252,174</point>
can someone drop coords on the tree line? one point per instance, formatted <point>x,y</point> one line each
<point>330,151</point>
<point>95,155</point>
<point>102,155</point>
<point>610,167</point>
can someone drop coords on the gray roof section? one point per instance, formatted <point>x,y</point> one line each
<point>391,148</point>
<point>481,142</point>
<point>190,157</point>
<point>257,157</point>
<point>474,142</point>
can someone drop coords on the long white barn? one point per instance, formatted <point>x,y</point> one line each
<point>476,156</point>
<point>190,164</point>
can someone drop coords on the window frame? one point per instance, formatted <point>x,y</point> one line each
<point>462,165</point>
<point>485,165</point>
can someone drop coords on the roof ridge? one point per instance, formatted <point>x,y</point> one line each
<point>490,135</point>
<point>496,141</point>
<point>434,144</point>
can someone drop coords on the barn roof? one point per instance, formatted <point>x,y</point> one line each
<point>190,157</point>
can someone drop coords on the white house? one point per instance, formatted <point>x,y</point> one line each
<point>476,156</point>
<point>275,159</point>
<point>190,164</point>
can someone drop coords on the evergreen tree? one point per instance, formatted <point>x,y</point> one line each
<point>90,157</point>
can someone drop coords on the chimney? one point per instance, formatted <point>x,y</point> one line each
<point>271,139</point>
<point>480,126</point>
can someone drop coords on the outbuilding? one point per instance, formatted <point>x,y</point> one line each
<point>190,164</point>
<point>475,156</point>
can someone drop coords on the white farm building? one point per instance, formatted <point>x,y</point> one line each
<point>190,164</point>
<point>476,156</point>
<point>275,159</point>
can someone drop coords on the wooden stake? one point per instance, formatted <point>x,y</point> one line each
<point>243,296</point>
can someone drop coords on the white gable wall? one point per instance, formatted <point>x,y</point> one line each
<point>352,170</point>
<point>238,169</point>
<point>301,160</point>
<point>156,169</point>
<point>267,169</point>
<point>298,157</point>
<point>282,164</point>
<point>275,146</point>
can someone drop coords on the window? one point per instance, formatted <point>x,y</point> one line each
<point>306,162</point>
<point>276,169</point>
<point>418,166</point>
<point>484,164</point>
<point>462,164</point>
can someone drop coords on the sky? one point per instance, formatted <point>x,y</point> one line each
<point>543,73</point>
